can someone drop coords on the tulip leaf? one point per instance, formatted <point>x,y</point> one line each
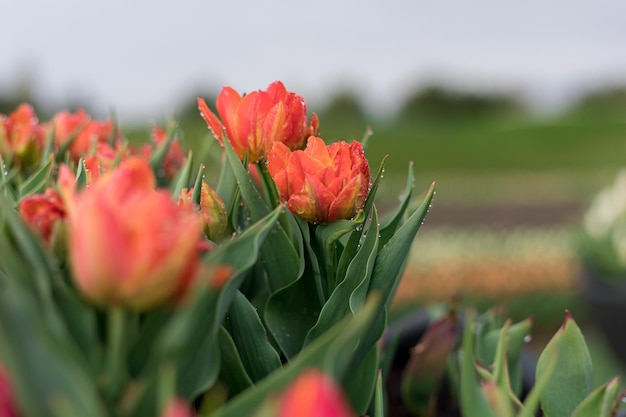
<point>293,310</point>
<point>279,255</point>
<point>389,228</point>
<point>516,335</point>
<point>570,382</point>
<point>357,276</point>
<point>37,182</point>
<point>377,407</point>
<point>391,260</point>
<point>355,237</point>
<point>232,371</point>
<point>197,186</point>
<point>49,145</point>
<point>600,402</point>
<point>326,244</point>
<point>361,383</point>
<point>81,175</point>
<point>49,376</point>
<point>183,178</point>
<point>248,333</point>
<point>319,354</point>
<point>473,402</point>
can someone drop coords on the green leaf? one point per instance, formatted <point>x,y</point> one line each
<point>158,156</point>
<point>279,255</point>
<point>360,385</point>
<point>390,227</point>
<point>197,186</point>
<point>47,372</point>
<point>377,408</point>
<point>340,302</point>
<point>326,244</point>
<point>37,182</point>
<point>293,310</point>
<point>570,382</point>
<point>256,352</point>
<point>232,371</point>
<point>473,402</point>
<point>515,342</point>
<point>600,402</point>
<point>184,176</point>
<point>344,337</point>
<point>354,240</point>
<point>390,263</point>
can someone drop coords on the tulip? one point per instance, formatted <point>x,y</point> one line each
<point>212,211</point>
<point>253,122</point>
<point>321,183</point>
<point>8,407</point>
<point>314,394</point>
<point>174,157</point>
<point>86,133</point>
<point>43,212</point>
<point>22,138</point>
<point>130,245</point>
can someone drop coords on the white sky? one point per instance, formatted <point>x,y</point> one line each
<point>142,57</point>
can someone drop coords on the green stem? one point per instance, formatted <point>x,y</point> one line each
<point>116,320</point>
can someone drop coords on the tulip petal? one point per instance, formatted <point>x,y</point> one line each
<point>211,120</point>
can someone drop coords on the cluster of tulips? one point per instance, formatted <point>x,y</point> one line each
<point>131,285</point>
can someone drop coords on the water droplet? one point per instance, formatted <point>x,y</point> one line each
<point>528,338</point>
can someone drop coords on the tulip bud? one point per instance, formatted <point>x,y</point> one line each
<point>212,211</point>
<point>314,394</point>
<point>253,122</point>
<point>130,245</point>
<point>321,183</point>
<point>174,157</point>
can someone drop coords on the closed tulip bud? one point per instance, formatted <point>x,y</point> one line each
<point>321,183</point>
<point>314,394</point>
<point>253,122</point>
<point>130,245</point>
<point>212,211</point>
<point>44,213</point>
<point>22,138</point>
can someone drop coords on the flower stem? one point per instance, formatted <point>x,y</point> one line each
<point>116,321</point>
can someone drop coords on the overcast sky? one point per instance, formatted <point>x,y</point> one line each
<point>142,57</point>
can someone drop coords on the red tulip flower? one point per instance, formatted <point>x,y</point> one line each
<point>321,183</point>
<point>314,394</point>
<point>88,133</point>
<point>42,212</point>
<point>253,122</point>
<point>22,138</point>
<point>8,408</point>
<point>131,245</point>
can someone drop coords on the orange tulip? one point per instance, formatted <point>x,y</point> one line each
<point>42,212</point>
<point>321,183</point>
<point>130,245</point>
<point>253,122</point>
<point>314,394</point>
<point>212,211</point>
<point>22,138</point>
<point>88,132</point>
